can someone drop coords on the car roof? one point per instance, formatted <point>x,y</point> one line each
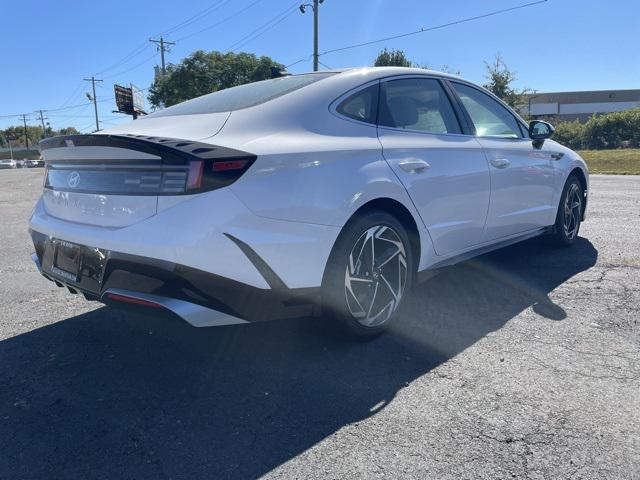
<point>380,72</point>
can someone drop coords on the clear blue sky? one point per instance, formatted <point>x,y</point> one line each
<point>48,47</point>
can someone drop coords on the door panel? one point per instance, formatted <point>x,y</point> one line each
<point>452,193</point>
<point>522,177</point>
<point>521,191</point>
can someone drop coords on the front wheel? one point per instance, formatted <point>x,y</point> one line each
<point>369,273</point>
<point>569,214</point>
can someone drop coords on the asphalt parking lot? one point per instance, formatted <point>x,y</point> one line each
<point>524,363</point>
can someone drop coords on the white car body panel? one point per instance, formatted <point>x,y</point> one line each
<point>95,209</point>
<point>522,193</point>
<point>189,127</point>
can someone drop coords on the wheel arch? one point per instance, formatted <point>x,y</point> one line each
<point>392,207</point>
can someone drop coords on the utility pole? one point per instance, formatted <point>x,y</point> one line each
<point>315,35</point>
<point>316,11</point>
<point>24,122</point>
<point>93,81</point>
<point>42,118</point>
<point>162,46</point>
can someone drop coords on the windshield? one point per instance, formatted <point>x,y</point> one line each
<point>243,96</point>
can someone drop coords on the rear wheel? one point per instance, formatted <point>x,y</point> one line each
<point>569,214</point>
<point>369,274</point>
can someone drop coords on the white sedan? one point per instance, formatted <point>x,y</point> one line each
<point>326,193</point>
<point>8,163</point>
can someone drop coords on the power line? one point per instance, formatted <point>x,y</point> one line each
<point>210,9</point>
<point>142,47</point>
<point>264,27</point>
<point>73,94</point>
<point>444,25</point>
<point>134,53</point>
<point>137,65</point>
<point>224,20</point>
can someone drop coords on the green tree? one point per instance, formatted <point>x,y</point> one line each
<point>205,72</point>
<point>392,58</point>
<point>500,83</point>
<point>65,131</point>
<point>34,133</point>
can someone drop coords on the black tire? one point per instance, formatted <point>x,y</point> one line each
<point>339,302</point>
<point>563,235</point>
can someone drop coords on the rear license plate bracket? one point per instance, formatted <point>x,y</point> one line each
<point>67,260</point>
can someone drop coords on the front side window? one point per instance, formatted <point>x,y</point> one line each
<point>243,96</point>
<point>418,104</point>
<point>362,105</point>
<point>489,117</point>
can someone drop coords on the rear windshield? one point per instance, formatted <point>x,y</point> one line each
<point>243,96</point>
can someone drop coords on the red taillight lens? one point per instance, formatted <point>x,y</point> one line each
<point>194,179</point>
<point>224,165</point>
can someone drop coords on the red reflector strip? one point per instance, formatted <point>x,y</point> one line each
<point>194,180</point>
<point>133,300</point>
<point>219,166</point>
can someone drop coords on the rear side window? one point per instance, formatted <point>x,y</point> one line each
<point>362,105</point>
<point>489,117</point>
<point>243,96</point>
<point>418,104</point>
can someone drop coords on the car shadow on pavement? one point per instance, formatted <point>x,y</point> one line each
<point>110,394</point>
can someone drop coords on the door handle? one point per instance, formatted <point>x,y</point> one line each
<point>500,162</point>
<point>414,166</point>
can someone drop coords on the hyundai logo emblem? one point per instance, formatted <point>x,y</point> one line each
<point>74,180</point>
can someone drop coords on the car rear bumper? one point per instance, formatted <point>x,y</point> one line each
<point>200,298</point>
<point>212,232</point>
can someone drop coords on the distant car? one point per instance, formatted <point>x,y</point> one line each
<point>8,163</point>
<point>326,192</point>
<point>31,163</point>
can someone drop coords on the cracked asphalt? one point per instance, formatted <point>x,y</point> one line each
<point>524,363</point>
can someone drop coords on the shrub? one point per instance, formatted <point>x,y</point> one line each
<point>609,131</point>
<point>613,130</point>
<point>570,134</point>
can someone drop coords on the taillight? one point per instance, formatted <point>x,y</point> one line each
<point>223,165</point>
<point>194,180</point>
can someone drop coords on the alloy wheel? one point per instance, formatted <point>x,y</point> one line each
<point>572,211</point>
<point>376,276</point>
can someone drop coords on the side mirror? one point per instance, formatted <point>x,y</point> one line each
<point>539,131</point>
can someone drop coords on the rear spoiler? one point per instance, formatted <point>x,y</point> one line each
<point>172,151</point>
